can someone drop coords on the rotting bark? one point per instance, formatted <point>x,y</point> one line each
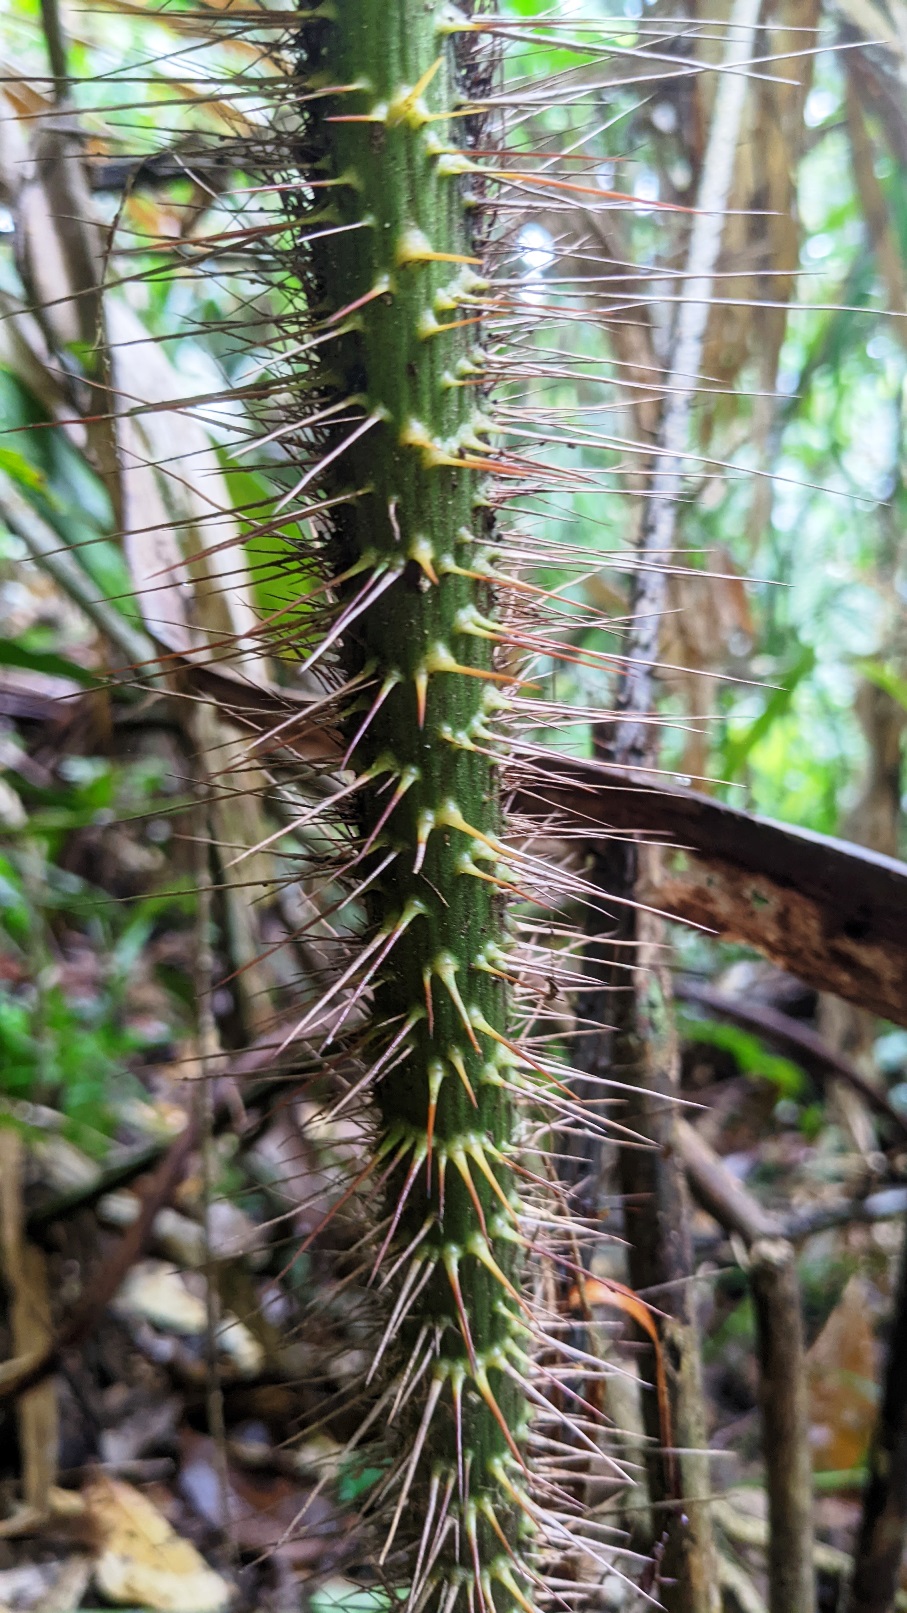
<point>830,912</point>
<point>883,1528</point>
<point>822,946</point>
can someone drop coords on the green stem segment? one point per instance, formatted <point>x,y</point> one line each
<point>394,287</point>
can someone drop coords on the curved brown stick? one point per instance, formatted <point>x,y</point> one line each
<point>829,911</point>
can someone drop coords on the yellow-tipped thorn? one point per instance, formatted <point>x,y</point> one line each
<point>491,677</point>
<point>454,819</point>
<point>429,1140</point>
<point>502,885</point>
<point>450,1265</point>
<point>435,1078</point>
<point>506,1577</point>
<point>484,1388</point>
<point>423,555</point>
<point>446,257</point>
<point>407,102</point>
<point>459,1158</point>
<point>445,968</point>
<point>426,824</point>
<point>456,1388</point>
<point>479,1247</point>
<point>421,681</point>
<point>477,1154</point>
<point>459,1064</point>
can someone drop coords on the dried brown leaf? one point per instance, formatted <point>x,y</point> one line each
<point>143,1560</point>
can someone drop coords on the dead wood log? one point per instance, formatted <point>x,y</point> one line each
<point>829,911</point>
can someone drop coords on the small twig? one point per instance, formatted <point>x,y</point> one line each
<point>882,1206</point>
<point>883,1528</point>
<point>25,1279</point>
<point>119,1173</point>
<point>241,1066</point>
<point>209,1054</point>
<point>737,1588</point>
<point>886,1205</point>
<point>748,1530</point>
<point>737,1210</point>
<point>876,215</point>
<point>644,1050</point>
<point>725,1199</point>
<point>134,1469</point>
<point>159,168</point>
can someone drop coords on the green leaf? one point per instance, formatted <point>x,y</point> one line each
<point>17,652</point>
<point>738,748</point>
<point>749,1051</point>
<point>884,677</point>
<point>20,471</point>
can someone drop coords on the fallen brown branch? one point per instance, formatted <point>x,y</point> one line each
<point>830,912</point>
<point>827,910</point>
<point>736,1209</point>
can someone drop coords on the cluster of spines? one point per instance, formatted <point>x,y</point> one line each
<point>413,612</point>
<point>389,270</point>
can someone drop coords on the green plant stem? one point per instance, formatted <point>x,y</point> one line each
<point>396,277</point>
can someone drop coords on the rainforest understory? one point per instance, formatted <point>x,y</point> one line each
<point>452,1132</point>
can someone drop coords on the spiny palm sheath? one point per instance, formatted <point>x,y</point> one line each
<point>391,269</point>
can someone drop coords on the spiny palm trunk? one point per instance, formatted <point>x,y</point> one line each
<point>391,271</point>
